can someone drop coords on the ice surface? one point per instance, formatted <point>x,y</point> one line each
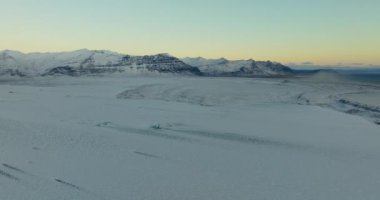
<point>218,138</point>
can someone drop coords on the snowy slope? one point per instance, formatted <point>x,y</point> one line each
<point>184,138</point>
<point>224,67</point>
<point>38,63</point>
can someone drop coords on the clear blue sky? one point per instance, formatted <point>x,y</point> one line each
<point>320,31</point>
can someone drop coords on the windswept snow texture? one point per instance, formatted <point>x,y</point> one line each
<point>188,138</point>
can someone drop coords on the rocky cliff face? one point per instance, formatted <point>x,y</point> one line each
<point>162,63</point>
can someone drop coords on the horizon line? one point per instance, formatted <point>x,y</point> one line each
<point>305,64</point>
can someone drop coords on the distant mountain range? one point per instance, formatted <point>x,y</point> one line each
<point>95,62</point>
<point>241,68</point>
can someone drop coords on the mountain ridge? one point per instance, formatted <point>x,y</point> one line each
<point>95,62</point>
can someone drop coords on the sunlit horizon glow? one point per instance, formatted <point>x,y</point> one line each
<point>287,31</point>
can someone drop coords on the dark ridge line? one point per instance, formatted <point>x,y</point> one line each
<point>151,132</point>
<point>13,168</point>
<point>83,190</point>
<point>359,105</point>
<point>68,184</point>
<point>146,154</point>
<point>234,137</point>
<point>7,175</point>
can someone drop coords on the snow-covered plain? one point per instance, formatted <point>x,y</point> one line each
<point>186,138</point>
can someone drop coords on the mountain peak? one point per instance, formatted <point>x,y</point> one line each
<point>85,61</point>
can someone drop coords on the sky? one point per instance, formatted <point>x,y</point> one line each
<point>318,32</point>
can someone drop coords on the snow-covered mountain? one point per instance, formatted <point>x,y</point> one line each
<point>87,62</point>
<point>224,67</point>
<point>39,63</point>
